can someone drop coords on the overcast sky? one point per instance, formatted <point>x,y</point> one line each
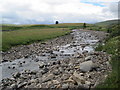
<point>65,11</point>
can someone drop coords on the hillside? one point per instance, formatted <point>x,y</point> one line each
<point>109,22</point>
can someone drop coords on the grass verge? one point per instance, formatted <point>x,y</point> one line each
<point>112,46</point>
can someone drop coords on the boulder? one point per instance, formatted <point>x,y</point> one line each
<point>87,66</point>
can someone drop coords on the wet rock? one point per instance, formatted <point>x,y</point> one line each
<point>85,52</point>
<point>87,66</point>
<point>53,56</point>
<point>26,56</point>
<point>51,52</point>
<point>9,67</point>
<point>20,64</point>
<point>33,72</point>
<point>16,75</point>
<point>5,60</point>
<point>36,60</point>
<point>41,65</point>
<point>23,61</point>
<point>62,51</point>
<point>54,63</point>
<point>13,63</point>
<point>13,67</point>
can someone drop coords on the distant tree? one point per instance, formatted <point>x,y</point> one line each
<point>84,25</point>
<point>56,22</point>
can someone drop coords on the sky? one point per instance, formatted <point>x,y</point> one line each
<point>65,11</point>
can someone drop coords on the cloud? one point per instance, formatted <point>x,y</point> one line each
<point>47,11</point>
<point>102,0</point>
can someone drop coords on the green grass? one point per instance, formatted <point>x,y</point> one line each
<point>112,46</point>
<point>13,35</point>
<point>43,26</point>
<point>26,36</point>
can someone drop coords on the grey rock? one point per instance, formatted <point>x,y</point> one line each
<point>87,66</point>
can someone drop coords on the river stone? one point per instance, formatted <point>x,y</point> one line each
<point>14,86</point>
<point>16,75</point>
<point>87,66</point>
<point>22,85</point>
<point>56,72</point>
<point>45,70</point>
<point>88,58</point>
<point>41,65</point>
<point>48,78</point>
<point>78,78</point>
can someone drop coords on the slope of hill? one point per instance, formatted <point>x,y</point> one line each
<point>109,22</point>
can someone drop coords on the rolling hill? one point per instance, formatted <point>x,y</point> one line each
<point>109,22</point>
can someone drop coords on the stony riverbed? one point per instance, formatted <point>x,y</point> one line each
<point>65,62</point>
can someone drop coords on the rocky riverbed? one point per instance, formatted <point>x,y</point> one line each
<point>65,62</point>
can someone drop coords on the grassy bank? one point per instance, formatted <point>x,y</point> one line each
<point>112,46</point>
<point>26,36</point>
